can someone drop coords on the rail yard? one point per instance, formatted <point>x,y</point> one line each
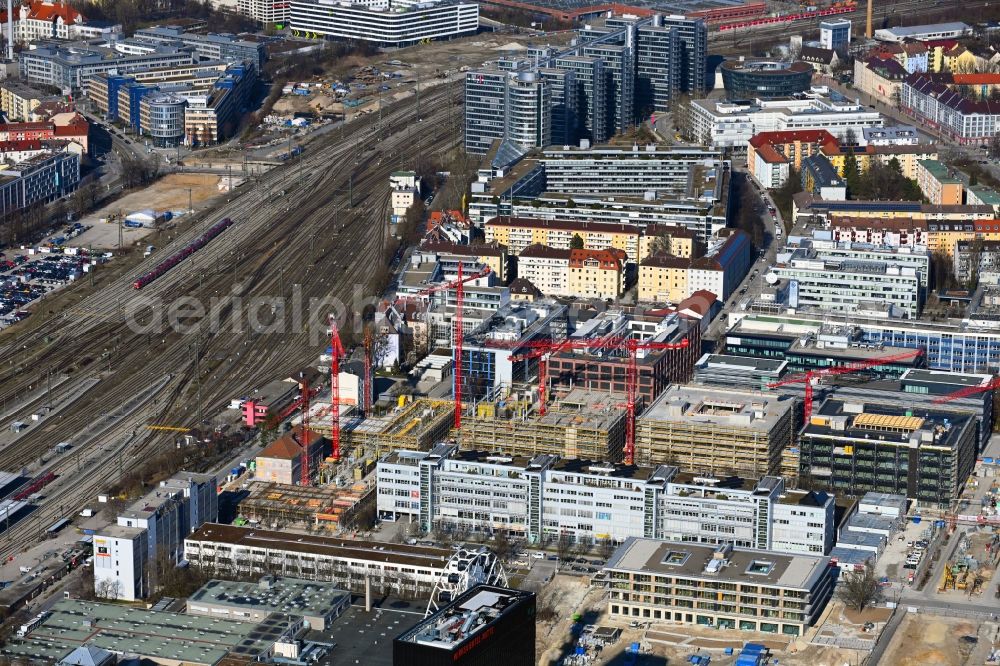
<point>295,232</point>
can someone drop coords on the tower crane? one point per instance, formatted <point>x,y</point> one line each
<point>967,391</point>
<point>458,285</point>
<point>810,377</point>
<point>336,352</point>
<point>543,349</point>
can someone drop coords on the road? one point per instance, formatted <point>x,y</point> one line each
<point>299,249</point>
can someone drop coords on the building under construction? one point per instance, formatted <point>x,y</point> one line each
<point>583,424</point>
<point>413,424</point>
<point>276,505</point>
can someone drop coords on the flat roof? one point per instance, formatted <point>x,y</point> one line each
<point>871,521</point>
<point>864,539</point>
<point>741,362</point>
<point>462,620</point>
<point>151,634</point>
<point>696,404</point>
<point>394,553</point>
<point>676,558</point>
<point>272,594</point>
<point>945,377</point>
<point>850,555</point>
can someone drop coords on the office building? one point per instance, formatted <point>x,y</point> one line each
<point>855,447</point>
<point>739,372</point>
<point>592,91</point>
<point>837,280</point>
<point>835,34</point>
<point>765,79</point>
<point>150,534</point>
<point>628,171</point>
<point>39,179</point>
<point>264,11</point>
<point>212,47</point>
<point>750,590</point>
<point>731,124</point>
<point>619,67</point>
<point>70,67</point>
<point>236,552</point>
<point>564,118</point>
<point>42,19</point>
<point>383,23</point>
<point>486,625</point>
<point>526,497</point>
<point>121,561</point>
<point>508,106</point>
<point>712,432</point>
<point>691,35</point>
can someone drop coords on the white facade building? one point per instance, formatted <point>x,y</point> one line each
<point>724,124</point>
<point>545,497</point>
<point>399,23</point>
<point>120,563</point>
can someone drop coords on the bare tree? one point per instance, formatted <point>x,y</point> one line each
<point>605,548</point>
<point>108,588</point>
<point>564,544</point>
<point>859,589</point>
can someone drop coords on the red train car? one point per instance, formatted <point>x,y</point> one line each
<point>178,257</point>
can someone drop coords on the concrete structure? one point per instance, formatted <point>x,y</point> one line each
<point>751,589</point>
<point>235,551</point>
<point>765,79</point>
<point>317,604</point>
<point>526,497</point>
<point>282,460</point>
<point>835,34</point>
<point>729,124</point>
<point>380,22</point>
<point>711,432</point>
<point>857,447</point>
<point>938,183</point>
<point>485,625</point>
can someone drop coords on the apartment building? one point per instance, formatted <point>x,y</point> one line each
<point>731,124</point>
<point>770,155</point>
<point>18,100</point>
<point>720,586</point>
<point>711,432</point>
<point>939,184</point>
<point>905,155</point>
<point>962,119</point>
<point>666,278</point>
<point>540,497</point>
<point>880,76</point>
<point>517,233</point>
<point>379,21</point>
<point>857,447</point>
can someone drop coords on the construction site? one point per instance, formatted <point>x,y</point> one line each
<point>584,424</point>
<point>414,424</point>
<point>969,572</point>
<point>278,505</point>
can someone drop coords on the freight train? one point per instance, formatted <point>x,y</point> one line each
<point>180,256</point>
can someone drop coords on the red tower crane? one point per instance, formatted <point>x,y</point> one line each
<point>967,391</point>
<point>458,285</point>
<point>366,398</point>
<point>336,351</point>
<point>542,349</point>
<point>810,376</point>
<point>305,477</point>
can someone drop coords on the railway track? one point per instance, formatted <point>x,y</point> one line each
<point>309,242</point>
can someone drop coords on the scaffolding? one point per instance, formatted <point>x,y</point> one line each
<point>414,425</point>
<point>584,425</point>
<point>278,504</point>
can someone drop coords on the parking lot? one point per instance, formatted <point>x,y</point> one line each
<point>25,278</point>
<point>893,563</point>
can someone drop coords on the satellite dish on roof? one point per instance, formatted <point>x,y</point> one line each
<point>771,278</point>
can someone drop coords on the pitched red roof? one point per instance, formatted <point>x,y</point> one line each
<point>610,259</point>
<point>48,11</point>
